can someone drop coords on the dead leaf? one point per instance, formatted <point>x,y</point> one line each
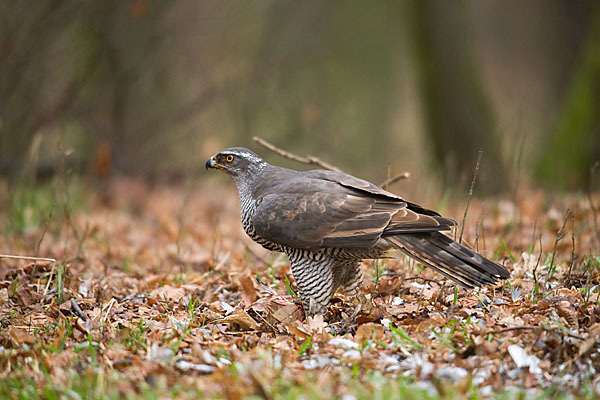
<point>298,329</point>
<point>591,341</point>
<point>19,336</point>
<point>3,296</point>
<point>169,292</point>
<point>241,318</point>
<point>248,293</point>
<point>28,297</point>
<point>287,314</point>
<point>316,324</point>
<point>369,331</point>
<point>565,310</point>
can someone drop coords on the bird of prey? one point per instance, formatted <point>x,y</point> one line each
<point>327,222</point>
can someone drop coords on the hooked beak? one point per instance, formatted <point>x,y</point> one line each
<point>211,163</point>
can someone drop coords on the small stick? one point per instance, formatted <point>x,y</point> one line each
<point>78,310</point>
<point>559,235</point>
<point>462,227</point>
<point>312,160</point>
<point>27,258</point>
<point>393,179</point>
<point>413,278</point>
<point>108,307</point>
<point>304,160</point>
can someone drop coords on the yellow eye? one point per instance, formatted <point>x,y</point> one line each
<point>229,158</point>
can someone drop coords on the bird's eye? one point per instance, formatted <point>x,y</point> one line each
<point>229,158</point>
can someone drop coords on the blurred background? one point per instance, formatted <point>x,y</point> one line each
<point>152,88</point>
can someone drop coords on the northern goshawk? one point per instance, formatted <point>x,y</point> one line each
<point>327,222</point>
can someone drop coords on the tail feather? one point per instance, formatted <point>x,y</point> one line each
<point>451,259</point>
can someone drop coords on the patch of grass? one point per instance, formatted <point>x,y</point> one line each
<point>33,205</point>
<point>193,308</point>
<point>380,267</point>
<point>288,286</point>
<point>401,338</point>
<point>305,346</point>
<point>134,339</point>
<point>446,334</point>
<point>508,252</point>
<point>354,382</point>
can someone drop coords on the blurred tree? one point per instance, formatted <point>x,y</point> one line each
<point>329,76</point>
<point>139,86</point>
<point>458,117</point>
<point>34,93</point>
<point>575,144</point>
<point>71,72</point>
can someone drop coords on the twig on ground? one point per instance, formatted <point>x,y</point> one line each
<point>78,311</point>
<point>52,260</point>
<point>462,227</point>
<point>107,307</point>
<point>428,280</point>
<point>47,288</point>
<point>311,160</point>
<point>275,331</point>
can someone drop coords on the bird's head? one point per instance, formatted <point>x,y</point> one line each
<point>237,162</point>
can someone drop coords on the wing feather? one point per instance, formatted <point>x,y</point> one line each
<point>331,209</point>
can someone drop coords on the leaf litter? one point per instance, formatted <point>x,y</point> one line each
<point>197,305</point>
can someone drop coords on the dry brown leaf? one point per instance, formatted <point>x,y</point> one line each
<point>565,310</point>
<point>287,314</point>
<point>209,315</point>
<point>591,341</point>
<point>368,331</point>
<point>247,284</point>
<point>28,297</point>
<point>298,329</point>
<point>316,324</point>
<point>241,318</point>
<point>3,296</point>
<point>543,305</point>
<point>169,292</point>
<point>19,336</point>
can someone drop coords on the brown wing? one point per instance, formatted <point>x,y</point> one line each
<point>335,210</point>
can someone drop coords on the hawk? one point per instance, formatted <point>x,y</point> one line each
<point>327,222</point>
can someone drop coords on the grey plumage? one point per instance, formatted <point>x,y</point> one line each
<point>327,222</point>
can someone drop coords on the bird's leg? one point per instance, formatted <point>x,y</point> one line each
<point>353,278</point>
<point>315,283</point>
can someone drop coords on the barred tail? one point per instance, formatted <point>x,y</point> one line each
<point>451,259</point>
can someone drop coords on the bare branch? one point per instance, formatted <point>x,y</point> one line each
<point>393,179</point>
<point>311,160</point>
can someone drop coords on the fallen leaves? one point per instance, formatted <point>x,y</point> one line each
<point>19,336</point>
<point>242,319</point>
<point>192,301</point>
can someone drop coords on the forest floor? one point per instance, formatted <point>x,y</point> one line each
<point>156,292</point>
